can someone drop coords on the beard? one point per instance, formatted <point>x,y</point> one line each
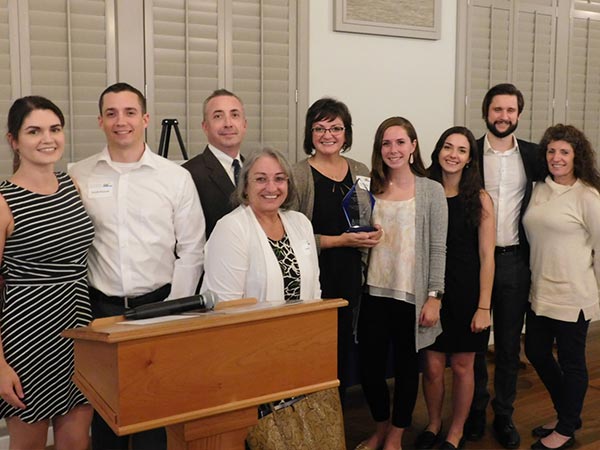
<point>501,134</point>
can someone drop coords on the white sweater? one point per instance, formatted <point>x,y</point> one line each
<point>563,229</point>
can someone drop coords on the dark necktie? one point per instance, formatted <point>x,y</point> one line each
<point>236,170</point>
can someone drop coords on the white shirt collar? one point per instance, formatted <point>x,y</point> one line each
<point>223,157</point>
<point>145,160</point>
<point>487,148</point>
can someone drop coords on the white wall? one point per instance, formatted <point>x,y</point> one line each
<point>381,76</point>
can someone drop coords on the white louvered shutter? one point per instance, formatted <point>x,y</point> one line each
<point>488,55</point>
<point>68,65</point>
<point>583,69</point>
<point>534,65</point>
<point>182,67</point>
<point>511,41</point>
<point>5,88</point>
<point>261,69</point>
<point>246,46</point>
<point>550,49</point>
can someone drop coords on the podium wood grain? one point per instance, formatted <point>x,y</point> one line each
<point>203,377</point>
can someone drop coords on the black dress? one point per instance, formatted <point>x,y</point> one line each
<point>340,267</point>
<point>461,294</point>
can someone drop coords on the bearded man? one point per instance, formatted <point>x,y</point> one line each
<point>509,168</point>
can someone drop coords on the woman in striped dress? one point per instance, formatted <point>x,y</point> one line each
<point>45,234</point>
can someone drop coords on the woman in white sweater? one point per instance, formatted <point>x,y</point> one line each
<point>261,249</point>
<point>563,228</point>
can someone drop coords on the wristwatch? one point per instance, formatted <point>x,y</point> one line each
<point>435,294</point>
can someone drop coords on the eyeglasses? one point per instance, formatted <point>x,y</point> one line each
<point>263,180</point>
<point>335,130</point>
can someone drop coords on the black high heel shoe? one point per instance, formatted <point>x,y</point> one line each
<point>450,446</point>
<point>540,445</point>
<point>541,432</point>
<point>427,439</point>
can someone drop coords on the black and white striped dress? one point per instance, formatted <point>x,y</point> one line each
<point>44,267</point>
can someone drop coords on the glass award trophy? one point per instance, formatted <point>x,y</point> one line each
<point>358,206</point>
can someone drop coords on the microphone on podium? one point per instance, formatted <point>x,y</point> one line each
<point>205,301</point>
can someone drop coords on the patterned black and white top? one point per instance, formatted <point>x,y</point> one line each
<point>289,268</point>
<point>44,266</point>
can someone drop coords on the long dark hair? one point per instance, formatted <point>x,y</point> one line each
<point>470,184</point>
<point>584,163</point>
<point>379,170</point>
<point>19,110</point>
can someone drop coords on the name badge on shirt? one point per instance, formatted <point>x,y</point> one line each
<point>100,190</point>
<point>306,247</point>
<point>364,182</point>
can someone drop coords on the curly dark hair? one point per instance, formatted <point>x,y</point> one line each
<point>379,170</point>
<point>584,163</point>
<point>470,184</point>
<point>327,108</point>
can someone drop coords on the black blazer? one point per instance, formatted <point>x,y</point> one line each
<point>531,163</point>
<point>214,187</point>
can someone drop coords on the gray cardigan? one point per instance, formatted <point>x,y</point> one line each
<point>305,185</point>
<point>431,210</point>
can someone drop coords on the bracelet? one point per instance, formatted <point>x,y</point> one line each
<point>485,309</point>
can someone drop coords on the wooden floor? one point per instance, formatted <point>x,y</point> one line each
<point>532,408</point>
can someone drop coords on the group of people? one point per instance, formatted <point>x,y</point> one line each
<point>515,238</point>
<point>449,245</point>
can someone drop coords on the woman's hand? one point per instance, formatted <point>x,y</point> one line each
<point>10,386</point>
<point>430,313</point>
<point>481,320</point>
<point>364,239</point>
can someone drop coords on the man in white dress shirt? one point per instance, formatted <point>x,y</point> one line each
<point>508,167</point>
<point>149,228</point>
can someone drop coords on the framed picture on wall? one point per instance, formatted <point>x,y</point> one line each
<point>419,19</point>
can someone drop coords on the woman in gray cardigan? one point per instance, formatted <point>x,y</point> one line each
<point>405,278</point>
<point>322,180</point>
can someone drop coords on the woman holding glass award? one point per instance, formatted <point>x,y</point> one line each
<point>323,180</point>
<point>405,279</point>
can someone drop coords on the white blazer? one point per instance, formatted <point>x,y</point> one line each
<point>239,261</point>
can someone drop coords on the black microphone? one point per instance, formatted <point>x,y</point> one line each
<point>205,302</point>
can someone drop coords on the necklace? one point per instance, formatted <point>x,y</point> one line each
<point>344,188</point>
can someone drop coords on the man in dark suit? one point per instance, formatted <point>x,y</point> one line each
<point>508,166</point>
<point>214,171</point>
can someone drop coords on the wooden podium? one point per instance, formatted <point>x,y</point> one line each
<point>202,377</point>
